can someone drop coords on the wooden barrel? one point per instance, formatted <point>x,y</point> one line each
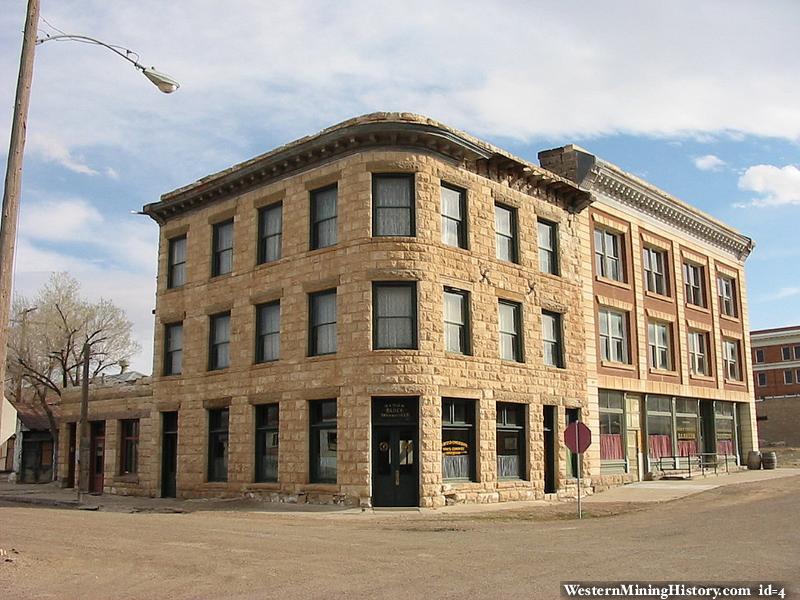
<point>769,460</point>
<point>754,460</point>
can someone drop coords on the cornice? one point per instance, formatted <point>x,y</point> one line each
<point>629,190</point>
<point>390,131</point>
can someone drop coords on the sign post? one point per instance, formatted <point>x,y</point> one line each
<point>578,437</point>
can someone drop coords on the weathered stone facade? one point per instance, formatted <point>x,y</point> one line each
<point>349,155</point>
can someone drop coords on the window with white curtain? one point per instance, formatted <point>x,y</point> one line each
<point>608,254</point>
<point>510,328</point>
<point>270,233</point>
<point>658,338</point>
<point>727,297</point>
<point>454,216</point>
<point>655,274</point>
<point>218,352</point>
<point>394,314</point>
<point>548,246</point>
<point>176,275</point>
<point>456,321</point>
<point>322,323</point>
<point>222,258</point>
<point>505,227</point>
<point>693,280</point>
<point>393,204</point>
<point>323,217</point>
<point>268,331</point>
<point>613,335</point>
<point>730,349</point>
<point>551,338</point>
<point>510,441</point>
<point>698,353</point>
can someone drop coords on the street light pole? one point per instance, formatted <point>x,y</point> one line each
<point>13,181</point>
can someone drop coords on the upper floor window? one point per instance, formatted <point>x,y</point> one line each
<point>608,254</point>
<point>393,204</point>
<point>322,323</point>
<point>176,274</point>
<point>655,273</point>
<point>456,321</point>
<point>727,298</point>
<point>730,349</point>
<point>693,279</point>
<point>551,338</point>
<point>267,418</point>
<point>454,216</point>
<point>797,352</point>
<point>268,332</point>
<point>759,356</point>
<point>219,341</point>
<point>658,337</point>
<point>323,217</point>
<point>270,233</point>
<point>222,259</point>
<point>173,349</point>
<point>395,315</point>
<point>510,331</point>
<point>786,353</point>
<point>762,379</point>
<point>505,227</point>
<point>548,246</point>
<point>788,377</point>
<point>698,353</point>
<point>613,335</point>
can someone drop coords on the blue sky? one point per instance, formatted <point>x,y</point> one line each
<point>698,98</point>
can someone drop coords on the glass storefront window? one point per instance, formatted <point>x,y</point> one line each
<point>725,426</point>
<point>612,425</point>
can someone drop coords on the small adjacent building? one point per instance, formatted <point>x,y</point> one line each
<point>776,377</point>
<point>392,312</point>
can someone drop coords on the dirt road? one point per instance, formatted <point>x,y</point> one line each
<point>746,532</point>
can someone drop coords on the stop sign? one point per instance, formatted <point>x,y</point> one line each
<point>577,437</point>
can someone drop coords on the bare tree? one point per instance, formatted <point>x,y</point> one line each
<point>46,342</point>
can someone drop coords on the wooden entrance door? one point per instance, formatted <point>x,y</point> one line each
<point>97,457</point>
<point>395,468</point>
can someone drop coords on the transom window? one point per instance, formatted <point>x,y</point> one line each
<point>730,350</point>
<point>173,348</point>
<point>608,254</point>
<point>394,314</point>
<point>510,328</point>
<point>456,321</point>
<point>613,335</point>
<point>658,336</point>
<point>268,332</point>
<point>393,204</point>
<point>219,341</point>
<point>270,233</point>
<point>454,216</point>
<point>222,260</point>
<point>510,441</point>
<point>505,226</point>
<point>323,217</point>
<point>693,279</point>
<point>458,439</point>
<point>548,246</point>
<point>727,299</point>
<point>176,276</point>
<point>698,353</point>
<point>322,323</point>
<point>655,274</point>
<point>551,338</point>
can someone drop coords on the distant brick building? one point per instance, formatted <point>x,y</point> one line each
<point>776,377</point>
<point>392,312</point>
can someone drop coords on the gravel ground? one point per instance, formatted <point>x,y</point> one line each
<point>744,532</point>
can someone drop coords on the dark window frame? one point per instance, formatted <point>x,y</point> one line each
<point>558,342</point>
<point>759,355</point>
<point>314,243</point>
<point>129,430</point>
<point>264,429</point>
<point>213,346</point>
<point>465,329</point>
<point>317,423</point>
<point>169,352</point>
<point>217,253</point>
<point>412,285</point>
<point>412,208</point>
<point>554,258</point>
<point>218,431</point>
<point>519,429</point>
<point>172,264</point>
<point>469,424</point>
<point>463,223</point>
<point>761,376</point>
<point>313,326</point>
<point>259,350</point>
<point>519,354</point>
<point>264,238</point>
<point>514,235</point>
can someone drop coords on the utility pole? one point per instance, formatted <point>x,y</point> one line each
<point>13,180</point>
<point>84,452</point>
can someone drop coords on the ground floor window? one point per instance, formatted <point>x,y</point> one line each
<point>267,442</point>
<point>218,444</point>
<point>686,426</point>
<point>129,446</point>
<point>458,439</point>
<point>510,441</point>
<point>324,441</point>
<point>659,426</point>
<point>724,423</point>
<point>612,425</point>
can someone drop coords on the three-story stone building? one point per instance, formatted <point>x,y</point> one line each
<point>394,313</point>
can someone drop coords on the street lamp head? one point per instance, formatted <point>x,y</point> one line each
<point>163,82</point>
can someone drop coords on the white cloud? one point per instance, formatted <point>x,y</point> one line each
<point>709,162</point>
<point>776,186</point>
<point>781,294</point>
<point>53,150</point>
<point>58,220</point>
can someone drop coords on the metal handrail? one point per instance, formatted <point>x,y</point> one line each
<point>702,461</point>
